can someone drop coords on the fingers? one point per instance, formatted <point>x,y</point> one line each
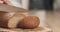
<point>1,1</point>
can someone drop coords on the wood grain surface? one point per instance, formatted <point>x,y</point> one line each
<point>53,20</point>
<point>4,7</point>
<point>39,29</point>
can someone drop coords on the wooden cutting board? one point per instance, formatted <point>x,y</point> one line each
<point>39,29</point>
<point>4,7</point>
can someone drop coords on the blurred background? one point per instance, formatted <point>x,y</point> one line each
<point>33,4</point>
<point>46,10</point>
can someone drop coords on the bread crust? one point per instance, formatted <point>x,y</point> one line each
<point>4,17</point>
<point>29,22</point>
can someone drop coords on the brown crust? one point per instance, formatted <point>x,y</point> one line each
<point>4,19</point>
<point>29,22</point>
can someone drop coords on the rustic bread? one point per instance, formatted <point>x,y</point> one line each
<point>4,17</point>
<point>10,19</point>
<point>14,20</point>
<point>29,22</point>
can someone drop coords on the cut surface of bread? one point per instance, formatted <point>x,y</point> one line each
<point>4,17</point>
<point>13,22</point>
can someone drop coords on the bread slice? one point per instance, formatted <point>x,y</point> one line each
<point>13,22</point>
<point>10,19</point>
<point>4,17</point>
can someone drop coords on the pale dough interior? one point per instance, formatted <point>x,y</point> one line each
<point>12,23</point>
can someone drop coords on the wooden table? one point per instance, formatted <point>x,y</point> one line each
<point>53,20</point>
<point>39,29</point>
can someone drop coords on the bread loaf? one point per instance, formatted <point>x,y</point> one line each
<point>10,19</point>
<point>13,22</point>
<point>29,22</point>
<point>4,16</point>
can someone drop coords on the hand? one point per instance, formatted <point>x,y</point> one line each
<point>3,1</point>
